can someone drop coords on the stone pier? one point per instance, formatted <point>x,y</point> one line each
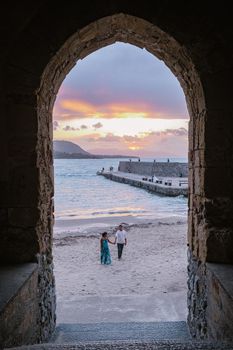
<point>163,186</point>
<point>164,169</point>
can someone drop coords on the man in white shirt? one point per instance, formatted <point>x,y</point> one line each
<point>121,240</point>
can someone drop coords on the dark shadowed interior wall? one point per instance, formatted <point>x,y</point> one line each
<point>40,43</point>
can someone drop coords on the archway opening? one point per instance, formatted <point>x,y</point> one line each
<point>122,105</point>
<point>132,30</point>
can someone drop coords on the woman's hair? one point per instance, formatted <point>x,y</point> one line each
<point>104,234</point>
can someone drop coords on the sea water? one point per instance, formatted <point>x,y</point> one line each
<point>81,194</point>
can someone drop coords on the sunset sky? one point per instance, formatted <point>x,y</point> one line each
<point>122,100</point>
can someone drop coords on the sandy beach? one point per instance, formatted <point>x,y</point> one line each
<point>148,284</point>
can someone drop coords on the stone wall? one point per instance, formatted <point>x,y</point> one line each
<point>19,307</point>
<point>27,303</point>
<point>47,299</point>
<point>210,302</point>
<point>197,298</point>
<point>165,169</point>
<point>219,315</point>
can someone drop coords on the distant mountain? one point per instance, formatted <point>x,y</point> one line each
<point>68,147</point>
<point>70,150</point>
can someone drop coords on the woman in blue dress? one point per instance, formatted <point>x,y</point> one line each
<point>105,256</point>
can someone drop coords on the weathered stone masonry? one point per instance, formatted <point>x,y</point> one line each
<point>18,318</point>
<point>40,43</point>
<point>163,169</point>
<point>171,191</point>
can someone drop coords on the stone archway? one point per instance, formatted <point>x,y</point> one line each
<point>28,92</point>
<point>104,32</point>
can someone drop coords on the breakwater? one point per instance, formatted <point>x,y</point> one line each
<point>167,187</point>
<point>164,169</point>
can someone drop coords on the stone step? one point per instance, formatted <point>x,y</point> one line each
<point>125,336</point>
<point>127,331</point>
<point>132,345</point>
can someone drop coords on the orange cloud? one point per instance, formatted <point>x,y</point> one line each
<point>169,142</point>
<point>86,109</point>
<point>138,110</point>
<point>74,109</point>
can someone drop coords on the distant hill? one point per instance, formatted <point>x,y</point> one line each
<point>68,147</point>
<point>70,150</point>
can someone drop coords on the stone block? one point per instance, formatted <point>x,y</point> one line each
<point>218,212</point>
<point>26,119</point>
<point>219,245</point>
<point>219,300</point>
<point>19,311</point>
<point>23,217</point>
<point>88,33</point>
<point>22,149</point>
<point>199,181</point>
<point>3,217</point>
<point>218,181</point>
<point>199,131</point>
<point>191,232</point>
<point>23,186</point>
<point>217,91</point>
<point>18,245</point>
<point>199,158</point>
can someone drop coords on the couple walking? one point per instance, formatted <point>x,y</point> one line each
<point>120,240</point>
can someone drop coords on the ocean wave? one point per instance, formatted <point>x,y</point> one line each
<point>115,212</point>
<point>78,175</point>
<point>90,213</point>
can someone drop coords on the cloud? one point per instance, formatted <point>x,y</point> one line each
<point>69,109</point>
<point>140,139</point>
<point>176,132</point>
<point>167,143</point>
<point>167,132</point>
<point>109,137</point>
<point>70,128</point>
<point>126,76</point>
<point>97,125</point>
<point>90,138</point>
<point>164,133</point>
<point>83,127</point>
<point>55,125</point>
<point>75,109</point>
